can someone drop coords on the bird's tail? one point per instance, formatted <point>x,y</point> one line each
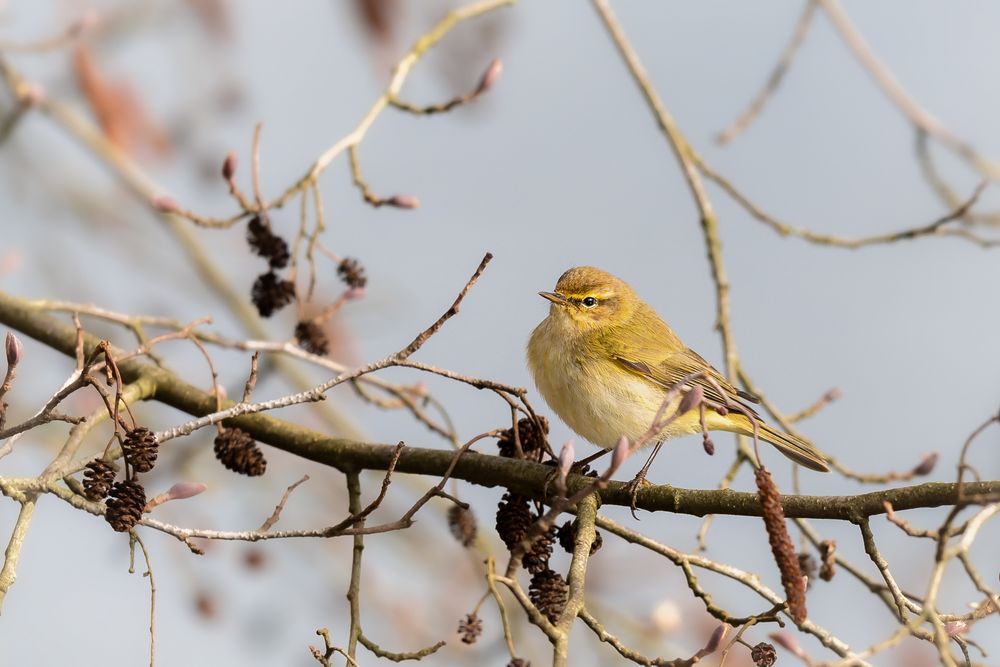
<point>794,447</point>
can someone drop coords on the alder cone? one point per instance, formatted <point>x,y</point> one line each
<point>271,293</point>
<point>97,479</point>
<point>352,273</point>
<point>140,449</point>
<point>237,450</point>
<point>549,592</point>
<point>531,436</point>
<point>470,629</point>
<point>311,338</point>
<point>125,506</point>
<point>537,557</point>
<point>514,517</point>
<point>462,523</point>
<point>763,655</point>
<point>267,244</point>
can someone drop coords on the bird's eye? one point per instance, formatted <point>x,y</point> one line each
<point>589,302</point>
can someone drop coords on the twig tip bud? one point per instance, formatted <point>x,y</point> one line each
<point>926,465</point>
<point>567,456</point>
<point>183,490</point>
<point>166,204</point>
<point>229,166</point>
<point>490,76</point>
<point>691,400</point>
<point>403,201</point>
<point>13,348</point>
<point>353,293</point>
<point>621,452</point>
<point>713,642</point>
<point>788,642</point>
<point>956,628</point>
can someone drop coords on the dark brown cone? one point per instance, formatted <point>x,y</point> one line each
<point>311,338</point>
<point>470,629</point>
<point>537,557</point>
<point>124,507</point>
<point>239,452</point>
<point>519,662</point>
<point>352,273</point>
<point>267,244</point>
<point>828,551</point>
<point>97,479</point>
<point>532,440</point>
<point>808,566</point>
<point>549,593</point>
<point>567,538</point>
<point>781,545</point>
<point>763,655</point>
<point>140,449</point>
<point>271,293</point>
<point>514,517</point>
<point>462,522</point>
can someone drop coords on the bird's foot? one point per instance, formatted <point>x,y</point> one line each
<point>639,480</point>
<point>633,487</point>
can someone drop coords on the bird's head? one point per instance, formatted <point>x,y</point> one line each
<point>587,299</point>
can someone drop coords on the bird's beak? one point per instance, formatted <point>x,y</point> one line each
<point>554,297</point>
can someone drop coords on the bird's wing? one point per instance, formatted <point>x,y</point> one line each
<point>666,371</point>
<point>651,350</point>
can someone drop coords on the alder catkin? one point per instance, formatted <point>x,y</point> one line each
<point>781,545</point>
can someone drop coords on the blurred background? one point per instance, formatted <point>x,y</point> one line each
<point>560,164</point>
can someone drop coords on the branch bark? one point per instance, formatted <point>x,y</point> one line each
<point>525,477</point>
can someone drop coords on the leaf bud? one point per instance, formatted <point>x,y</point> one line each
<point>713,642</point>
<point>620,453</point>
<point>490,76</point>
<point>403,201</point>
<point>166,204</point>
<point>926,464</point>
<point>788,642</point>
<point>229,166</point>
<point>183,490</point>
<point>566,459</point>
<point>14,349</point>
<point>956,628</point>
<point>691,400</point>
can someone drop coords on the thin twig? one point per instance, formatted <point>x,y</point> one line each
<point>422,337</point>
<point>899,96</point>
<point>276,514</point>
<point>774,80</point>
<point>152,596</point>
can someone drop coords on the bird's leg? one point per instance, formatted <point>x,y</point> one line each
<point>577,468</point>
<point>640,478</point>
<point>584,462</point>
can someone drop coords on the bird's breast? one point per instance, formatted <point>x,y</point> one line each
<point>593,395</point>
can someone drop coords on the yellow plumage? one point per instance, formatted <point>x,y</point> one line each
<point>603,360</point>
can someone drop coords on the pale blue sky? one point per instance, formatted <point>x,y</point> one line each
<point>560,165</point>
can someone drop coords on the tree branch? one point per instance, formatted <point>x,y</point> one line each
<point>525,477</point>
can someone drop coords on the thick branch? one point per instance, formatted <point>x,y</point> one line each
<point>524,477</point>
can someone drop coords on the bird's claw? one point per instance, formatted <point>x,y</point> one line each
<point>633,487</point>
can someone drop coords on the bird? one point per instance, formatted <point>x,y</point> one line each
<point>604,360</point>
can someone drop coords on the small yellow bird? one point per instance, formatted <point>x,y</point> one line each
<point>604,360</point>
